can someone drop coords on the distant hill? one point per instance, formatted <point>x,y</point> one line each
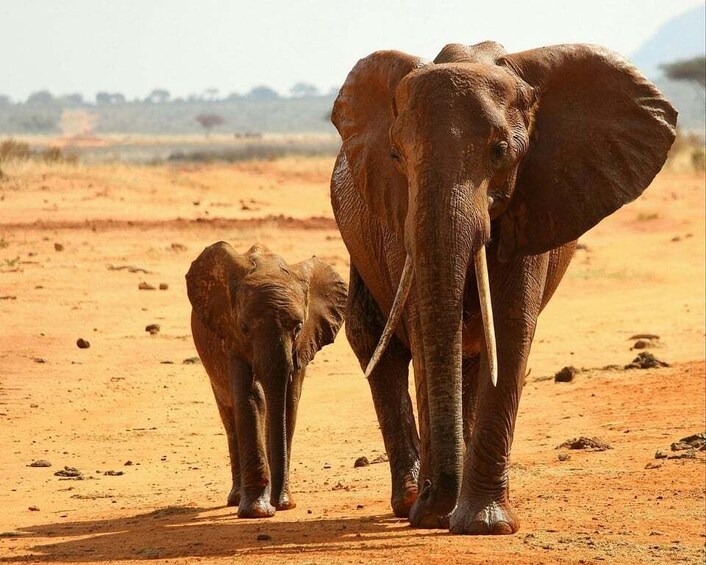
<point>683,37</point>
<point>680,38</point>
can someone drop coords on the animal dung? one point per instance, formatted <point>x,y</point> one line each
<point>82,343</point>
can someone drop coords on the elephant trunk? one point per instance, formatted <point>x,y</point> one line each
<point>447,223</point>
<point>276,382</point>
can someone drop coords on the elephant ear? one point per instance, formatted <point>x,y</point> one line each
<point>326,306</point>
<point>363,115</point>
<point>210,285</point>
<point>601,133</point>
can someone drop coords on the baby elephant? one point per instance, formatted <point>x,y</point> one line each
<point>257,322</point>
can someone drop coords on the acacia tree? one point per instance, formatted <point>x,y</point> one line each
<point>687,70</point>
<point>209,121</point>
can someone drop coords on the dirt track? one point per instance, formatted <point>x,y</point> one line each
<point>130,397</point>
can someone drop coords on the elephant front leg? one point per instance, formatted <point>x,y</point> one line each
<point>389,387</point>
<point>249,409</point>
<point>484,505</point>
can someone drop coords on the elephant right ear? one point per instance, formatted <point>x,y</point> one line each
<point>210,283</point>
<point>363,115</point>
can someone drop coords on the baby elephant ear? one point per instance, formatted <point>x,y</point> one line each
<point>601,133</point>
<point>326,307</point>
<point>210,283</point>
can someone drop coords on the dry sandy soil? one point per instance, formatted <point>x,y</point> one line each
<point>67,231</point>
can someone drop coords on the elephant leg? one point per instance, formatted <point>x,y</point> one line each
<point>484,505</point>
<point>228,418</point>
<point>250,412</point>
<point>389,387</point>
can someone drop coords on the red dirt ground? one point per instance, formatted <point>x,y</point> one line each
<point>130,397</point>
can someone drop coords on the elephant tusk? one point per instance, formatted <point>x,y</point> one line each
<point>486,309</point>
<point>394,317</point>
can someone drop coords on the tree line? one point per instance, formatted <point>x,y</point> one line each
<point>44,98</point>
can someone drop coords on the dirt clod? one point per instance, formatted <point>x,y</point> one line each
<point>587,443</point>
<point>566,375</point>
<point>380,459</point>
<point>264,537</point>
<point>58,247</point>
<point>361,462</point>
<point>191,361</point>
<point>114,473</point>
<point>145,286</point>
<point>646,360</point>
<point>40,463</point>
<point>33,508</point>
<point>659,454</point>
<point>71,472</point>
<point>696,441</point>
<point>39,359</point>
<point>563,456</point>
<point>153,329</point>
<point>82,343</point>
<point>163,286</point>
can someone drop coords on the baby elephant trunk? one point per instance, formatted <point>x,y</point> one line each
<point>275,385</point>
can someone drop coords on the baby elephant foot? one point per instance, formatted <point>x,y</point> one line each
<point>234,496</point>
<point>403,497</point>
<point>429,511</point>
<point>482,518</point>
<point>255,506</point>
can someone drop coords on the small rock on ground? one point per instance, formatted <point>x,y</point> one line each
<point>587,443</point>
<point>145,286</point>
<point>68,472</point>
<point>566,375</point>
<point>191,361</point>
<point>82,343</point>
<point>696,441</point>
<point>361,462</point>
<point>645,360</point>
<point>153,329</point>
<point>40,463</point>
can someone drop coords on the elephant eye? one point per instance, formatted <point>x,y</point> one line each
<point>394,156</point>
<point>298,329</point>
<point>499,152</point>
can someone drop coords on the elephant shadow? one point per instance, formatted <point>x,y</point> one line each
<point>184,531</point>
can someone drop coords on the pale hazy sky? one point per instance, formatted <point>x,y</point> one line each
<point>187,46</point>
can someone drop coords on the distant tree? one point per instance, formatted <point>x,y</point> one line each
<point>303,90</point>
<point>73,99</point>
<point>40,98</point>
<point>687,70</point>
<point>209,121</point>
<point>105,98</point>
<point>262,92</point>
<point>158,96</point>
<point>211,94</point>
<point>36,123</point>
<point>5,100</point>
<point>233,96</point>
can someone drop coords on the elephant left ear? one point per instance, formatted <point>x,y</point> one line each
<point>601,133</point>
<point>326,306</point>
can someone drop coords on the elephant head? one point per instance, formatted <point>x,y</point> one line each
<point>275,318</point>
<point>538,146</point>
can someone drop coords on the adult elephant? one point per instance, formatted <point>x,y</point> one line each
<point>257,323</point>
<point>518,154</point>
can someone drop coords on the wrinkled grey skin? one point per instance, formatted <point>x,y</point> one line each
<point>257,322</point>
<point>521,153</point>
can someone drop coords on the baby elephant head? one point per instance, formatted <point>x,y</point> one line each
<point>271,318</point>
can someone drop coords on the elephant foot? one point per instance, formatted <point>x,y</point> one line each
<point>233,496</point>
<point>430,512</point>
<point>285,502</point>
<point>256,506</point>
<point>483,518</point>
<point>404,497</point>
